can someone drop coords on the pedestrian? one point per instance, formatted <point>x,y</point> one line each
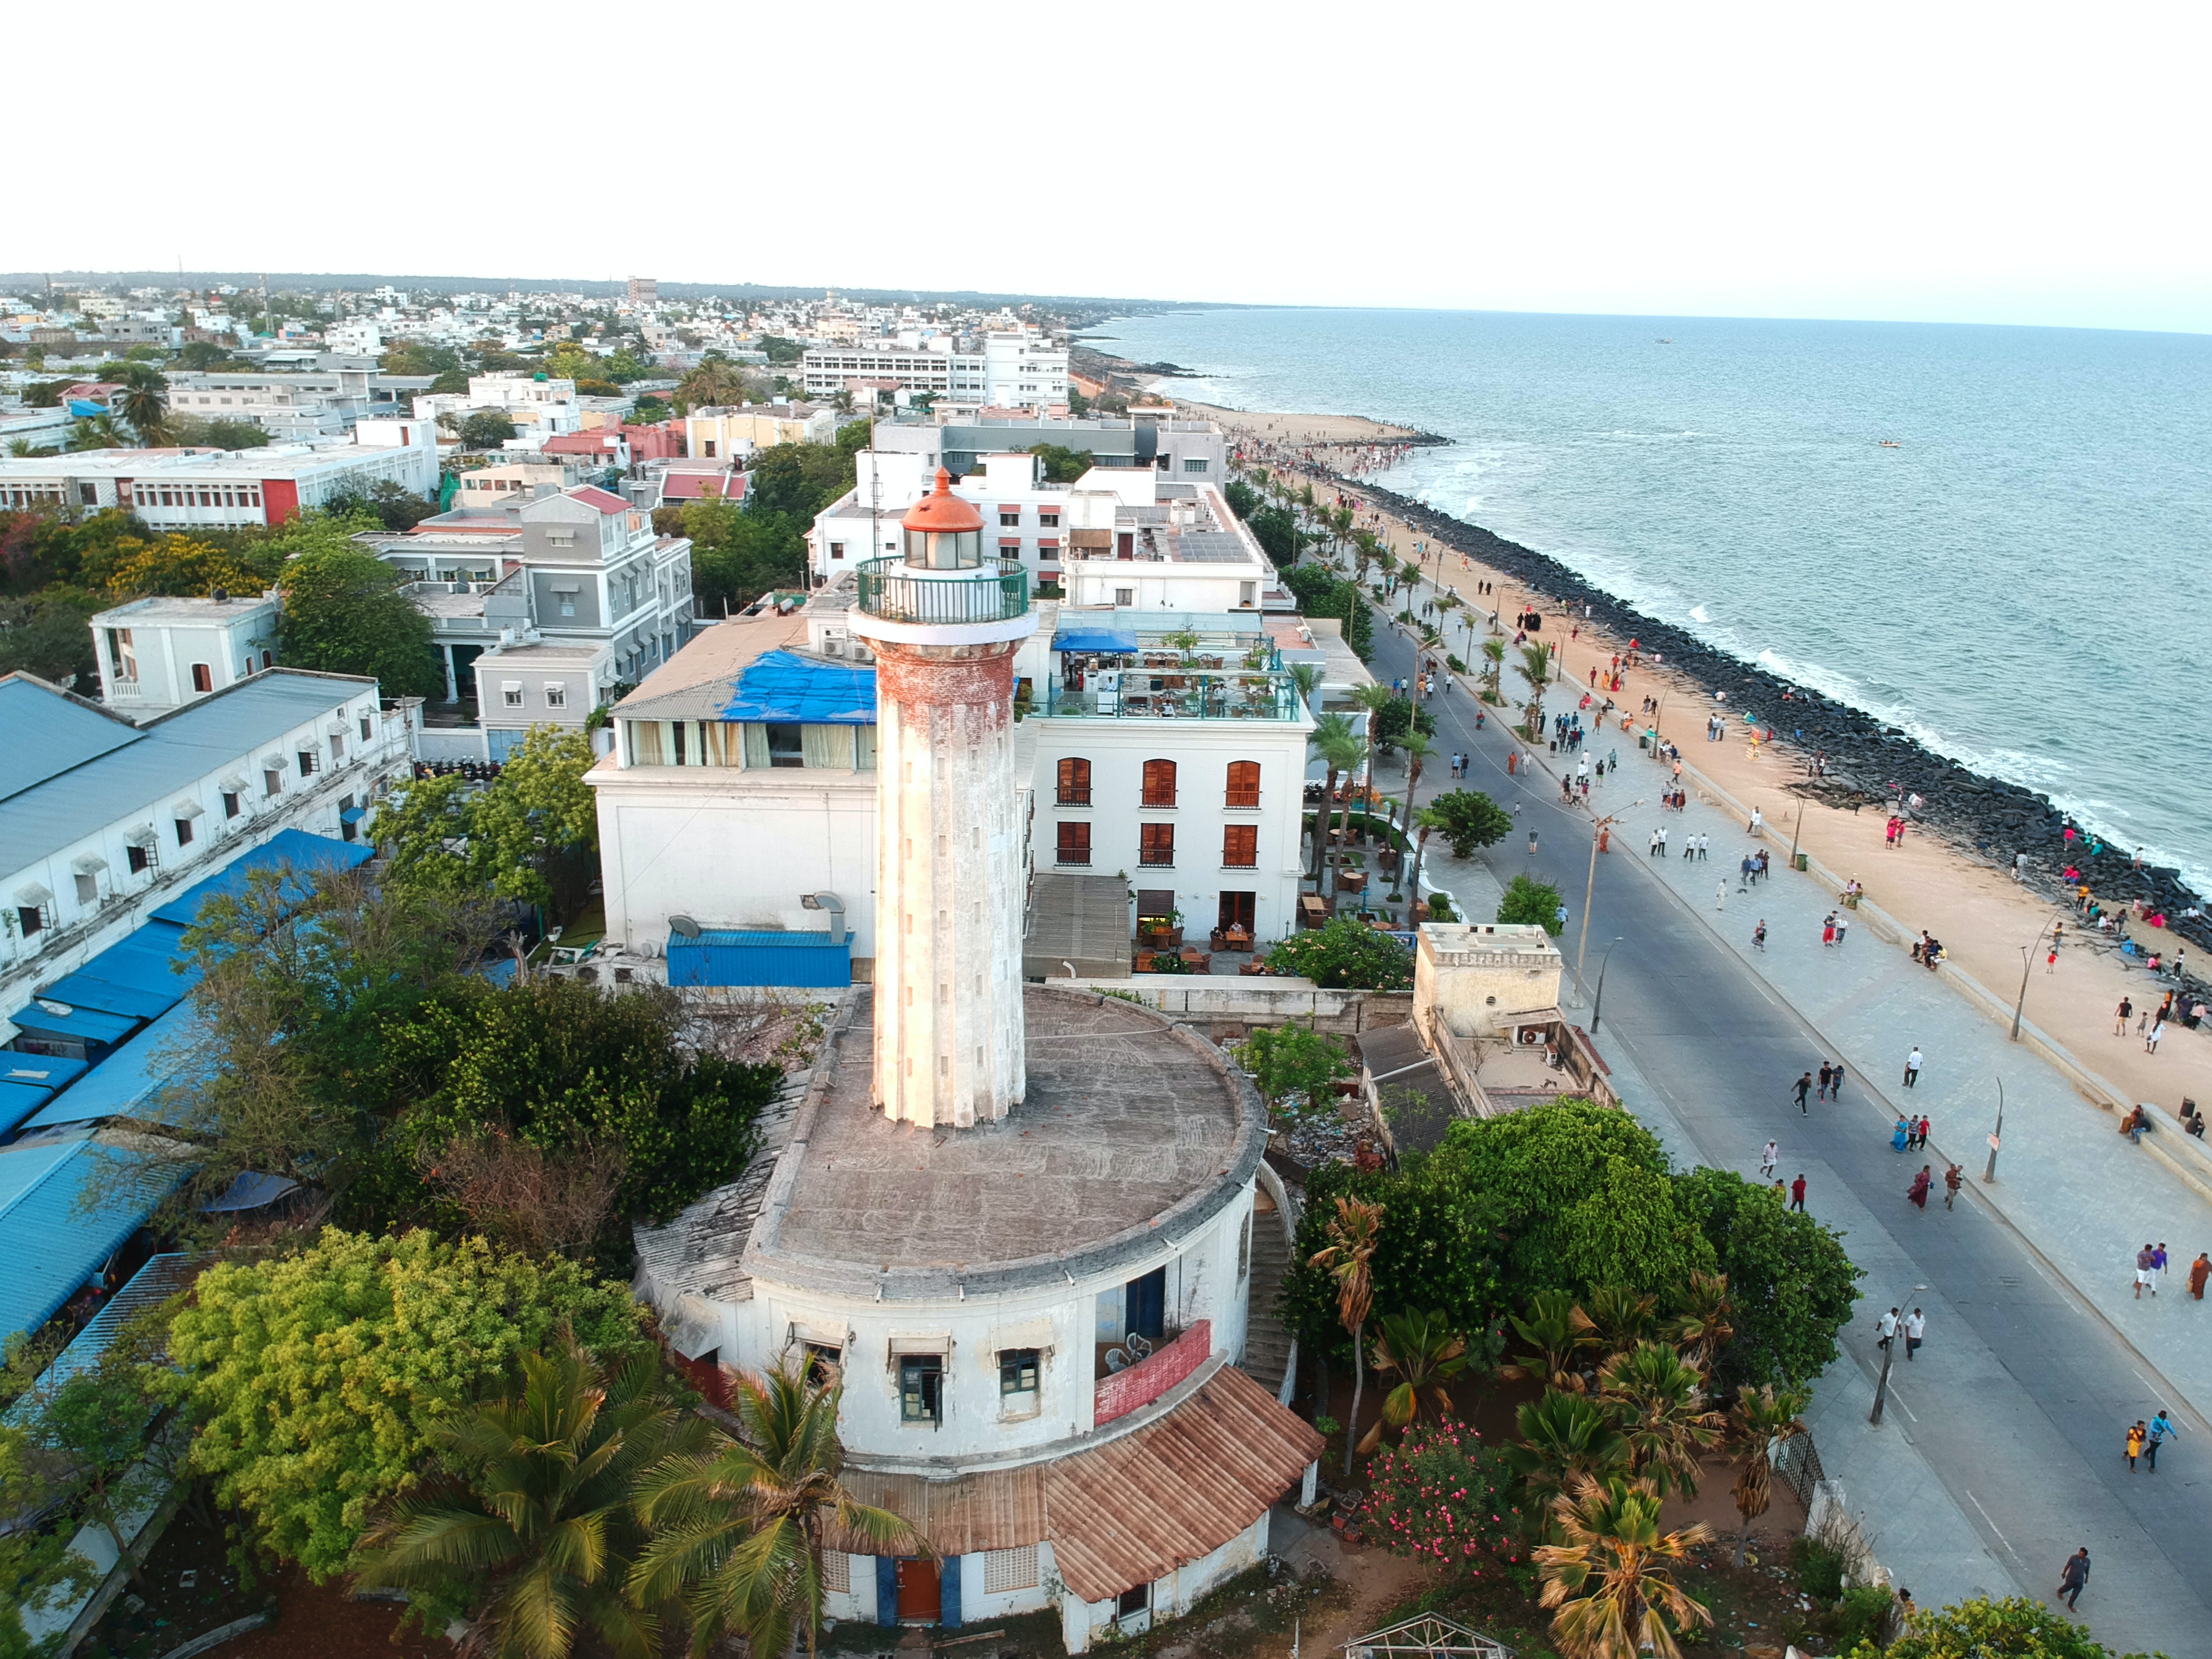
<point>1689,846</point>
<point>1804,1088</point>
<point>1912,1067</point>
<point>1825,1074</point>
<point>1920,1134</point>
<point>2074,1577</point>
<point>1720,903</point>
<point>1797,1193</point>
<point>1952,1182</point>
<point>2143,1260</point>
<point>1916,1332</point>
<point>1828,929</point>
<point>1918,1192</point>
<point>1758,820</point>
<point>2157,1264</point>
<point>1842,925</point>
<point>2199,1270</point>
<point>1758,934</point>
<point>1900,1137</point>
<point>1704,846</point>
<point>2157,1030</point>
<point>2137,1436</point>
<point>2120,1018</point>
<point>1652,850</point>
<point>1767,1159</point>
<point>1886,1327</point>
<point>2162,1428</point>
<point>1836,1083</point>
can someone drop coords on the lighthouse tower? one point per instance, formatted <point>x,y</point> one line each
<point>944,622</point>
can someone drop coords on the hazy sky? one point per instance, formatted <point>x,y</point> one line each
<point>1994,162</point>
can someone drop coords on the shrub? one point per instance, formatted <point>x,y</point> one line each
<point>1820,1569</point>
<point>1863,1615</point>
<point>1440,1495</point>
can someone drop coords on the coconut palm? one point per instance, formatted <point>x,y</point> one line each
<point>1613,1596</point>
<point>1338,745</point>
<point>1658,1402</point>
<point>715,380</point>
<point>738,1526</point>
<point>1425,1353</point>
<point>1536,664</point>
<point>1494,671</point>
<point>1562,1435</point>
<point>1426,821</point>
<point>1373,698</point>
<point>1759,1425</point>
<point>1618,1317</point>
<point>1361,756</point>
<point>538,1507</point>
<point>1705,1321</point>
<point>1555,1335</point>
<point>97,432</point>
<point>144,402</point>
<point>1353,1233</point>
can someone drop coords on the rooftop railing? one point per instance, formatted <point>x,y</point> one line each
<point>884,591</point>
<point>1230,695</point>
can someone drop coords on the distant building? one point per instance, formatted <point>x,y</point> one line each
<point>157,654</point>
<point>644,291</point>
<point>312,403</point>
<point>1013,370</point>
<point>713,433</point>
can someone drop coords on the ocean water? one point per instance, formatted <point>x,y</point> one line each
<point>2024,583</point>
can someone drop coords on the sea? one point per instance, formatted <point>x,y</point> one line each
<point>1997,539</point>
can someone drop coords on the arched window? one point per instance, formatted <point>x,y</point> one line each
<point>1159,783</point>
<point>1075,783</point>
<point>1244,783</point>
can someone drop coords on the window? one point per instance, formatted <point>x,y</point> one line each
<point>785,746</point>
<point>837,1572</point>
<point>1074,844</point>
<point>510,693</point>
<point>710,449</point>
<point>308,764</point>
<point>88,494</point>
<point>184,832</point>
<point>140,859</point>
<point>269,659</point>
<point>1017,1379</point>
<point>1244,783</point>
<point>337,745</point>
<point>1240,846</point>
<point>1194,463</point>
<point>1010,518</point>
<point>1049,517</point>
<point>921,1378</point>
<point>1159,783</point>
<point>233,803</point>
<point>824,1361</point>
<point>364,728</point>
<point>1134,1603</point>
<point>122,657</point>
<point>836,550</point>
<point>557,694</point>
<point>1124,596</point>
<point>203,677</point>
<point>30,918</point>
<point>1075,783</point>
<point>87,889</point>
<point>1155,843</point>
<point>1010,1570</point>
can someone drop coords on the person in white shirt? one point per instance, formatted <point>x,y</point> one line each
<point>1767,1160</point>
<point>1886,1327</point>
<point>1912,1067</point>
<point>1915,1331</point>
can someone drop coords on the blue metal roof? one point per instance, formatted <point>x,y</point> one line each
<point>778,686</point>
<point>49,1070</point>
<point>19,1100</point>
<point>129,1082</point>
<point>723,955</point>
<point>294,847</point>
<point>144,974</point>
<point>78,1025</point>
<point>48,733</point>
<point>228,729</point>
<point>50,1240</point>
<point>1095,638</point>
<point>160,1278</point>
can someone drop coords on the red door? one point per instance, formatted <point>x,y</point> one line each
<point>919,1592</point>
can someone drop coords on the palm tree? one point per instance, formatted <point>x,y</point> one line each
<point>1555,1331</point>
<point>1426,820</point>
<point>1760,1423</point>
<point>1425,1353</point>
<point>715,380</point>
<point>1562,1435</point>
<point>1706,1321</point>
<point>1618,1317</point>
<point>144,402</point>
<point>1418,750</point>
<point>1536,664</point>
<point>1614,1597</point>
<point>1374,697</point>
<point>96,431</point>
<point>1352,1235</point>
<point>1307,677</point>
<point>541,1512</point>
<point>1658,1402</point>
<point>738,1526</point>
<point>1493,651</point>
<point>1334,741</point>
<point>1361,755</point>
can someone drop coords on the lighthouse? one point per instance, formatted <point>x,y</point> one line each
<point>944,620</point>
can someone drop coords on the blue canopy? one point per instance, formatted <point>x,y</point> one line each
<point>780,688</point>
<point>78,1025</point>
<point>130,1082</point>
<point>295,847</point>
<point>85,410</point>
<point>1095,638</point>
<point>51,1242</point>
<point>138,976</point>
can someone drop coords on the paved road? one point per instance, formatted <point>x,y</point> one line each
<point>2019,1401</point>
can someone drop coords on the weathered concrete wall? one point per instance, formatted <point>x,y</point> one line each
<point>1213,1003</point>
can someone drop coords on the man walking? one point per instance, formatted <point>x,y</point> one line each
<point>1767,1160</point>
<point>1912,1067</point>
<point>1720,898</point>
<point>1886,1327</point>
<point>1825,1074</point>
<point>2160,1427</point>
<point>2074,1577</point>
<point>1797,1193</point>
<point>1836,1082</point>
<point>2120,1018</point>
<point>1952,1182</point>
<point>2157,1265</point>
<point>1804,1088</point>
<point>2143,1271</point>
<point>1916,1332</point>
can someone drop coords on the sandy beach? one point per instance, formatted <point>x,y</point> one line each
<point>1293,431</point>
<point>1982,916</point>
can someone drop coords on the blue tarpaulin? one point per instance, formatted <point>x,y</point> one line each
<point>130,1082</point>
<point>294,847</point>
<point>781,687</point>
<point>78,1025</point>
<point>84,409</point>
<point>1094,639</point>
<point>723,955</point>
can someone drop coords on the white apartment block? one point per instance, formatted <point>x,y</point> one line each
<point>1008,370</point>
<point>540,406</point>
<point>156,654</point>
<point>1024,517</point>
<point>312,404</point>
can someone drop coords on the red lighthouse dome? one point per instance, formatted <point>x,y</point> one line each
<point>944,532</point>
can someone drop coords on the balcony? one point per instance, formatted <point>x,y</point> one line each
<point>1138,1385</point>
<point>890,596</point>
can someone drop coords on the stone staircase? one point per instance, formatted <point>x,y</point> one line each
<point>1268,1346</point>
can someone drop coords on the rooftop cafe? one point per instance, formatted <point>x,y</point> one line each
<point>1116,665</point>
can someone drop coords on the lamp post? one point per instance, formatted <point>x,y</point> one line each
<point>1794,828</point>
<point>1997,1138</point>
<point>2026,967</point>
<point>1597,1002</point>
<point>1888,1354</point>
<point>1597,835</point>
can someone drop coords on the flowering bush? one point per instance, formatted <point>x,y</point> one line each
<point>1439,1495</point>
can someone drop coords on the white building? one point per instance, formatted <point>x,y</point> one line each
<point>1140,541</point>
<point>540,406</point>
<point>103,820</point>
<point>1025,518</point>
<point>1006,370</point>
<point>156,654</point>
<point>312,403</point>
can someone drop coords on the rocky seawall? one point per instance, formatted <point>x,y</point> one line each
<point>1866,760</point>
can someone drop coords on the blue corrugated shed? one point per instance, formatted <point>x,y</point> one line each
<point>160,1278</point>
<point>138,976</point>
<point>78,1025</point>
<point>50,1240</point>
<point>49,1070</point>
<point>1095,638</point>
<point>129,1083</point>
<point>723,955</point>
<point>777,686</point>
<point>19,1100</point>
<point>295,847</point>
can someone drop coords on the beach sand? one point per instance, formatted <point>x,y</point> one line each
<point>1982,916</point>
<point>1296,431</point>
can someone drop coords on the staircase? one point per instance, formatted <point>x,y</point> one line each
<point>1268,1348</point>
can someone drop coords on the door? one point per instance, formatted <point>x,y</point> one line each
<point>1147,1304</point>
<point>919,1595</point>
<point>1236,911</point>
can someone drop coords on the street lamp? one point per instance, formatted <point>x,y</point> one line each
<point>1597,1003</point>
<point>1888,1354</point>
<point>2026,967</point>
<point>1997,1138</point>
<point>1597,835</point>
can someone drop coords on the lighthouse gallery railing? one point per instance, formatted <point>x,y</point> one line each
<point>884,591</point>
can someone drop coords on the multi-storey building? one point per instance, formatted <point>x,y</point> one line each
<point>310,404</point>
<point>1008,370</point>
<point>716,432</point>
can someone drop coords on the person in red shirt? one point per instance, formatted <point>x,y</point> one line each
<point>1797,1193</point>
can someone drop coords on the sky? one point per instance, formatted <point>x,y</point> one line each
<point>1999,163</point>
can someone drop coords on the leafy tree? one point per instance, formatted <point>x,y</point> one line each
<point>529,1525</point>
<point>540,824</point>
<point>1789,1282</point>
<point>650,410</point>
<point>422,827</point>
<point>1706,1319</point>
<point>1425,1353</point>
<point>198,356</point>
<point>324,1376</point>
<point>50,635</point>
<point>739,1528</point>
<point>1345,954</point>
<point>202,431</point>
<point>1531,903</point>
<point>389,501</point>
<point>1617,1318</point>
<point>420,358</point>
<point>1062,465</point>
<point>97,432</point>
<point>1293,1067</point>
<point>589,385</point>
<point>145,401</point>
<point>798,480</point>
<point>782,353</point>
<point>180,565</point>
<point>1553,1335</point>
<point>2012,1628</point>
<point>486,429</point>
<point>737,556</point>
<point>1244,500</point>
<point>344,614</point>
<point>1353,1233</point>
<point>1606,1576</point>
<point>1441,1495</point>
<point>453,382</point>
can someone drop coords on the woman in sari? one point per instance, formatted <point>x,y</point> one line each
<point>1921,1182</point>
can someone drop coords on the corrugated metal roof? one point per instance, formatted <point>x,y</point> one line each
<point>196,742</point>
<point>51,1242</point>
<point>129,1082</point>
<point>780,686</point>
<point>724,956</point>
<point>48,732</point>
<point>140,975</point>
<point>160,1278</point>
<point>50,1070</point>
<point>19,1100</point>
<point>77,1025</point>
<point>296,848</point>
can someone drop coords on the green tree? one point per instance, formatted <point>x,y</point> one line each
<point>1528,902</point>
<point>737,556</point>
<point>50,635</point>
<point>1657,1402</point>
<point>199,432</point>
<point>1536,667</point>
<point>1345,954</point>
<point>344,614</point>
<point>1293,1067</point>
<point>325,1374</point>
<point>1790,1284</point>
<point>529,1527</point>
<point>1062,465</point>
<point>798,480</point>
<point>144,402</point>
<point>452,382</point>
<point>1471,820</point>
<point>1563,1436</point>
<point>715,382</point>
<point>2012,1628</point>
<point>389,503</point>
<point>1759,1422</point>
<point>1334,739</point>
<point>486,429</point>
<point>1553,1335</point>
<point>540,824</point>
<point>739,1528</point>
<point>422,827</point>
<point>1607,1577</point>
<point>1423,1352</point>
<point>1353,1232</point>
<point>418,357</point>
